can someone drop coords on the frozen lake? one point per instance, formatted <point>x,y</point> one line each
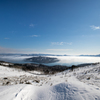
<point>63,60</point>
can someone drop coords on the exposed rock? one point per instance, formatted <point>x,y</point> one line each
<point>5,78</point>
<point>37,81</point>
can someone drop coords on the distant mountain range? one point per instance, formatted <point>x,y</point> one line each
<point>9,54</point>
<point>91,55</point>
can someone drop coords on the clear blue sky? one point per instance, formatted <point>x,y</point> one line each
<point>50,26</point>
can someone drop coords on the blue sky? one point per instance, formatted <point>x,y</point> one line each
<point>50,26</point>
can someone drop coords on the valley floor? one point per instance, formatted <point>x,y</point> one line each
<point>82,83</point>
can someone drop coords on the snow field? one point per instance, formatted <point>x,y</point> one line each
<point>80,84</point>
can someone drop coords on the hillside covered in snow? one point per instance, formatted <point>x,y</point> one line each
<point>82,83</point>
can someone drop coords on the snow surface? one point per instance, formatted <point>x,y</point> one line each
<point>5,72</point>
<point>80,84</point>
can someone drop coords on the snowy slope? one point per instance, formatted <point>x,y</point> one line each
<point>79,84</point>
<point>5,72</point>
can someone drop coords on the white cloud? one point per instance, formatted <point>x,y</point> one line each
<point>32,25</point>
<point>69,43</point>
<point>7,50</point>
<point>34,35</point>
<point>11,50</point>
<point>61,43</point>
<point>95,27</point>
<point>6,38</point>
<point>57,43</point>
<point>59,49</point>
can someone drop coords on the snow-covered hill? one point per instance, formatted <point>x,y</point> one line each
<point>80,84</point>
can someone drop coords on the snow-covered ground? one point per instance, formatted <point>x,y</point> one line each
<point>80,84</point>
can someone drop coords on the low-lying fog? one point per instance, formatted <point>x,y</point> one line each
<point>75,60</point>
<point>63,60</point>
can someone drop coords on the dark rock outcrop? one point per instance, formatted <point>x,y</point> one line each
<point>42,59</point>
